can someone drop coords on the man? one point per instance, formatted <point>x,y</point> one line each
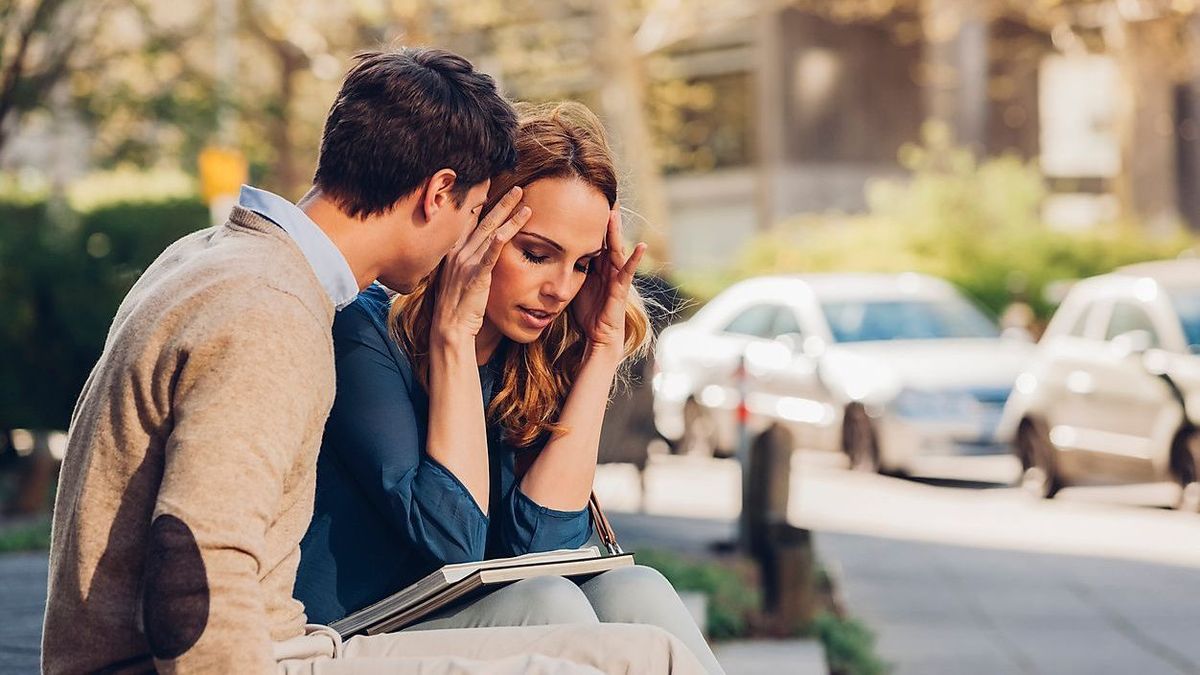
<point>189,474</point>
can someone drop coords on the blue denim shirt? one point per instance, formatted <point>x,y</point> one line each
<point>386,514</point>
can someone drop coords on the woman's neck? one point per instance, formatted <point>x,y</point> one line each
<point>486,342</point>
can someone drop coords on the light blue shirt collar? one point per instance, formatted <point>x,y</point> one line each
<point>327,261</point>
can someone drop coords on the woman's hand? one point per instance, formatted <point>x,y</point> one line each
<point>599,308</point>
<point>465,277</point>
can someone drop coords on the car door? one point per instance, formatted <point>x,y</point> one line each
<point>785,379</point>
<point>717,386</point>
<point>1127,403</point>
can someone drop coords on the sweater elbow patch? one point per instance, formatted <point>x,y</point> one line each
<point>176,602</point>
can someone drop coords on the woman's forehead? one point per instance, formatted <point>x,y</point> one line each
<point>567,212</point>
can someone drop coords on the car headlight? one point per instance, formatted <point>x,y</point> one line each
<point>940,405</point>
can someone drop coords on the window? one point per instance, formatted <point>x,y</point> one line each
<point>786,323</point>
<point>1081,321</point>
<point>1186,302</point>
<point>1127,316</point>
<point>918,319</point>
<point>755,321</point>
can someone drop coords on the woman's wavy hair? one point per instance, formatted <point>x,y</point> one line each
<point>558,140</point>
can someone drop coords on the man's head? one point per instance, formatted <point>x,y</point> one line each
<point>411,141</point>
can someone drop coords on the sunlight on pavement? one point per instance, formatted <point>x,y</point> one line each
<point>1117,522</point>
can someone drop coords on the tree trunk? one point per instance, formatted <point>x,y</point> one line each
<point>622,97</point>
<point>956,68</point>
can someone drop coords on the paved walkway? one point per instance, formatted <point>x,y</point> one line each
<point>963,576</point>
<point>22,600</point>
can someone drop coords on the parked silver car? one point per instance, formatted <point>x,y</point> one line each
<point>886,368</point>
<point>1113,393</point>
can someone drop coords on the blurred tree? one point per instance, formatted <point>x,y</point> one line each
<point>38,40</point>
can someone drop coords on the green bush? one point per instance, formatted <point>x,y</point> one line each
<point>28,536</point>
<point>977,225</point>
<point>849,645</point>
<point>731,599</point>
<point>62,276</point>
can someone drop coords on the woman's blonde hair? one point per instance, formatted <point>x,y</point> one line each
<point>559,140</point>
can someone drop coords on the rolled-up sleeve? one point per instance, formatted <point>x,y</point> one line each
<point>529,527</point>
<point>373,430</point>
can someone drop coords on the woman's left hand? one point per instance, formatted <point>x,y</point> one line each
<point>599,309</point>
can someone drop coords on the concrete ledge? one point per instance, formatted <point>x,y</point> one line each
<point>770,657</point>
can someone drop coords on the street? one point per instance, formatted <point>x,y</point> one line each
<point>972,576</point>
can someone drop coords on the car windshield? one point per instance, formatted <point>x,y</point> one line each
<point>862,321</point>
<point>1186,302</point>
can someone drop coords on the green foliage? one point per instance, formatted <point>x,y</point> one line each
<point>62,276</point>
<point>26,536</point>
<point>849,645</point>
<point>975,224</point>
<point>731,600</point>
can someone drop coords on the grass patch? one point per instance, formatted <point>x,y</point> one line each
<point>732,592</point>
<point>849,645</point>
<point>735,608</point>
<point>31,535</point>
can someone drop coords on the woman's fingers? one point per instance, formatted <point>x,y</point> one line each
<point>616,247</point>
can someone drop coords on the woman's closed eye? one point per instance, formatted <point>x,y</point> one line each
<point>583,266</point>
<point>533,257</point>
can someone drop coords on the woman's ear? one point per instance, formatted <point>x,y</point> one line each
<point>437,193</point>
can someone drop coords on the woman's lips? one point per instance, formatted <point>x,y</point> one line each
<point>535,319</point>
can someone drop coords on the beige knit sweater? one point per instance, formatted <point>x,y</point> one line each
<point>189,474</point>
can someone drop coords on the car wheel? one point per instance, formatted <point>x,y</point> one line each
<point>859,440</point>
<point>1184,453</point>
<point>1039,461</point>
<point>699,431</point>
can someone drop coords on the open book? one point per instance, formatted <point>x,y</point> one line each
<point>454,582</point>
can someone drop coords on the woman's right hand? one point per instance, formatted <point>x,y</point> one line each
<point>465,276</point>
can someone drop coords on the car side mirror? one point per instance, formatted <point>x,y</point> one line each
<point>798,344</point>
<point>1017,333</point>
<point>1132,343</point>
<point>793,341</point>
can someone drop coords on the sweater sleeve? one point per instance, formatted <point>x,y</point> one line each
<point>373,428</point>
<point>240,415</point>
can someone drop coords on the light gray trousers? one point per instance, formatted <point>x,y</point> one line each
<point>624,595</point>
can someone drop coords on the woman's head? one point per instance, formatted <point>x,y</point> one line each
<point>567,171</point>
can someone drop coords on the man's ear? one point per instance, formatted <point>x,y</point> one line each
<point>437,192</point>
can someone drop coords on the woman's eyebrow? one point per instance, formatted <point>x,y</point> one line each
<point>548,240</point>
<point>558,246</point>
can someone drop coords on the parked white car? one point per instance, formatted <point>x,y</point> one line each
<point>1113,392</point>
<point>886,368</point>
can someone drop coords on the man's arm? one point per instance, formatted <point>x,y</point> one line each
<point>243,403</point>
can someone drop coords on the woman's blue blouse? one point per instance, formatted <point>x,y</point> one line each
<point>385,513</point>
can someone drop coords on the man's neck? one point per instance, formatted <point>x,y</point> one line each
<point>347,234</point>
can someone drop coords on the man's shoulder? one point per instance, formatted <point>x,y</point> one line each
<point>225,270</point>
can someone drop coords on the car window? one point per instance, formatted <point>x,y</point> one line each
<point>917,319</point>
<point>786,323</point>
<point>1127,316</point>
<point>1186,302</point>
<point>756,321</point>
<point>1081,321</point>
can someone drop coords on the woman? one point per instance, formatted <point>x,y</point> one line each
<point>414,473</point>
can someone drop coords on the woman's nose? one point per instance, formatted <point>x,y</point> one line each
<point>558,286</point>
